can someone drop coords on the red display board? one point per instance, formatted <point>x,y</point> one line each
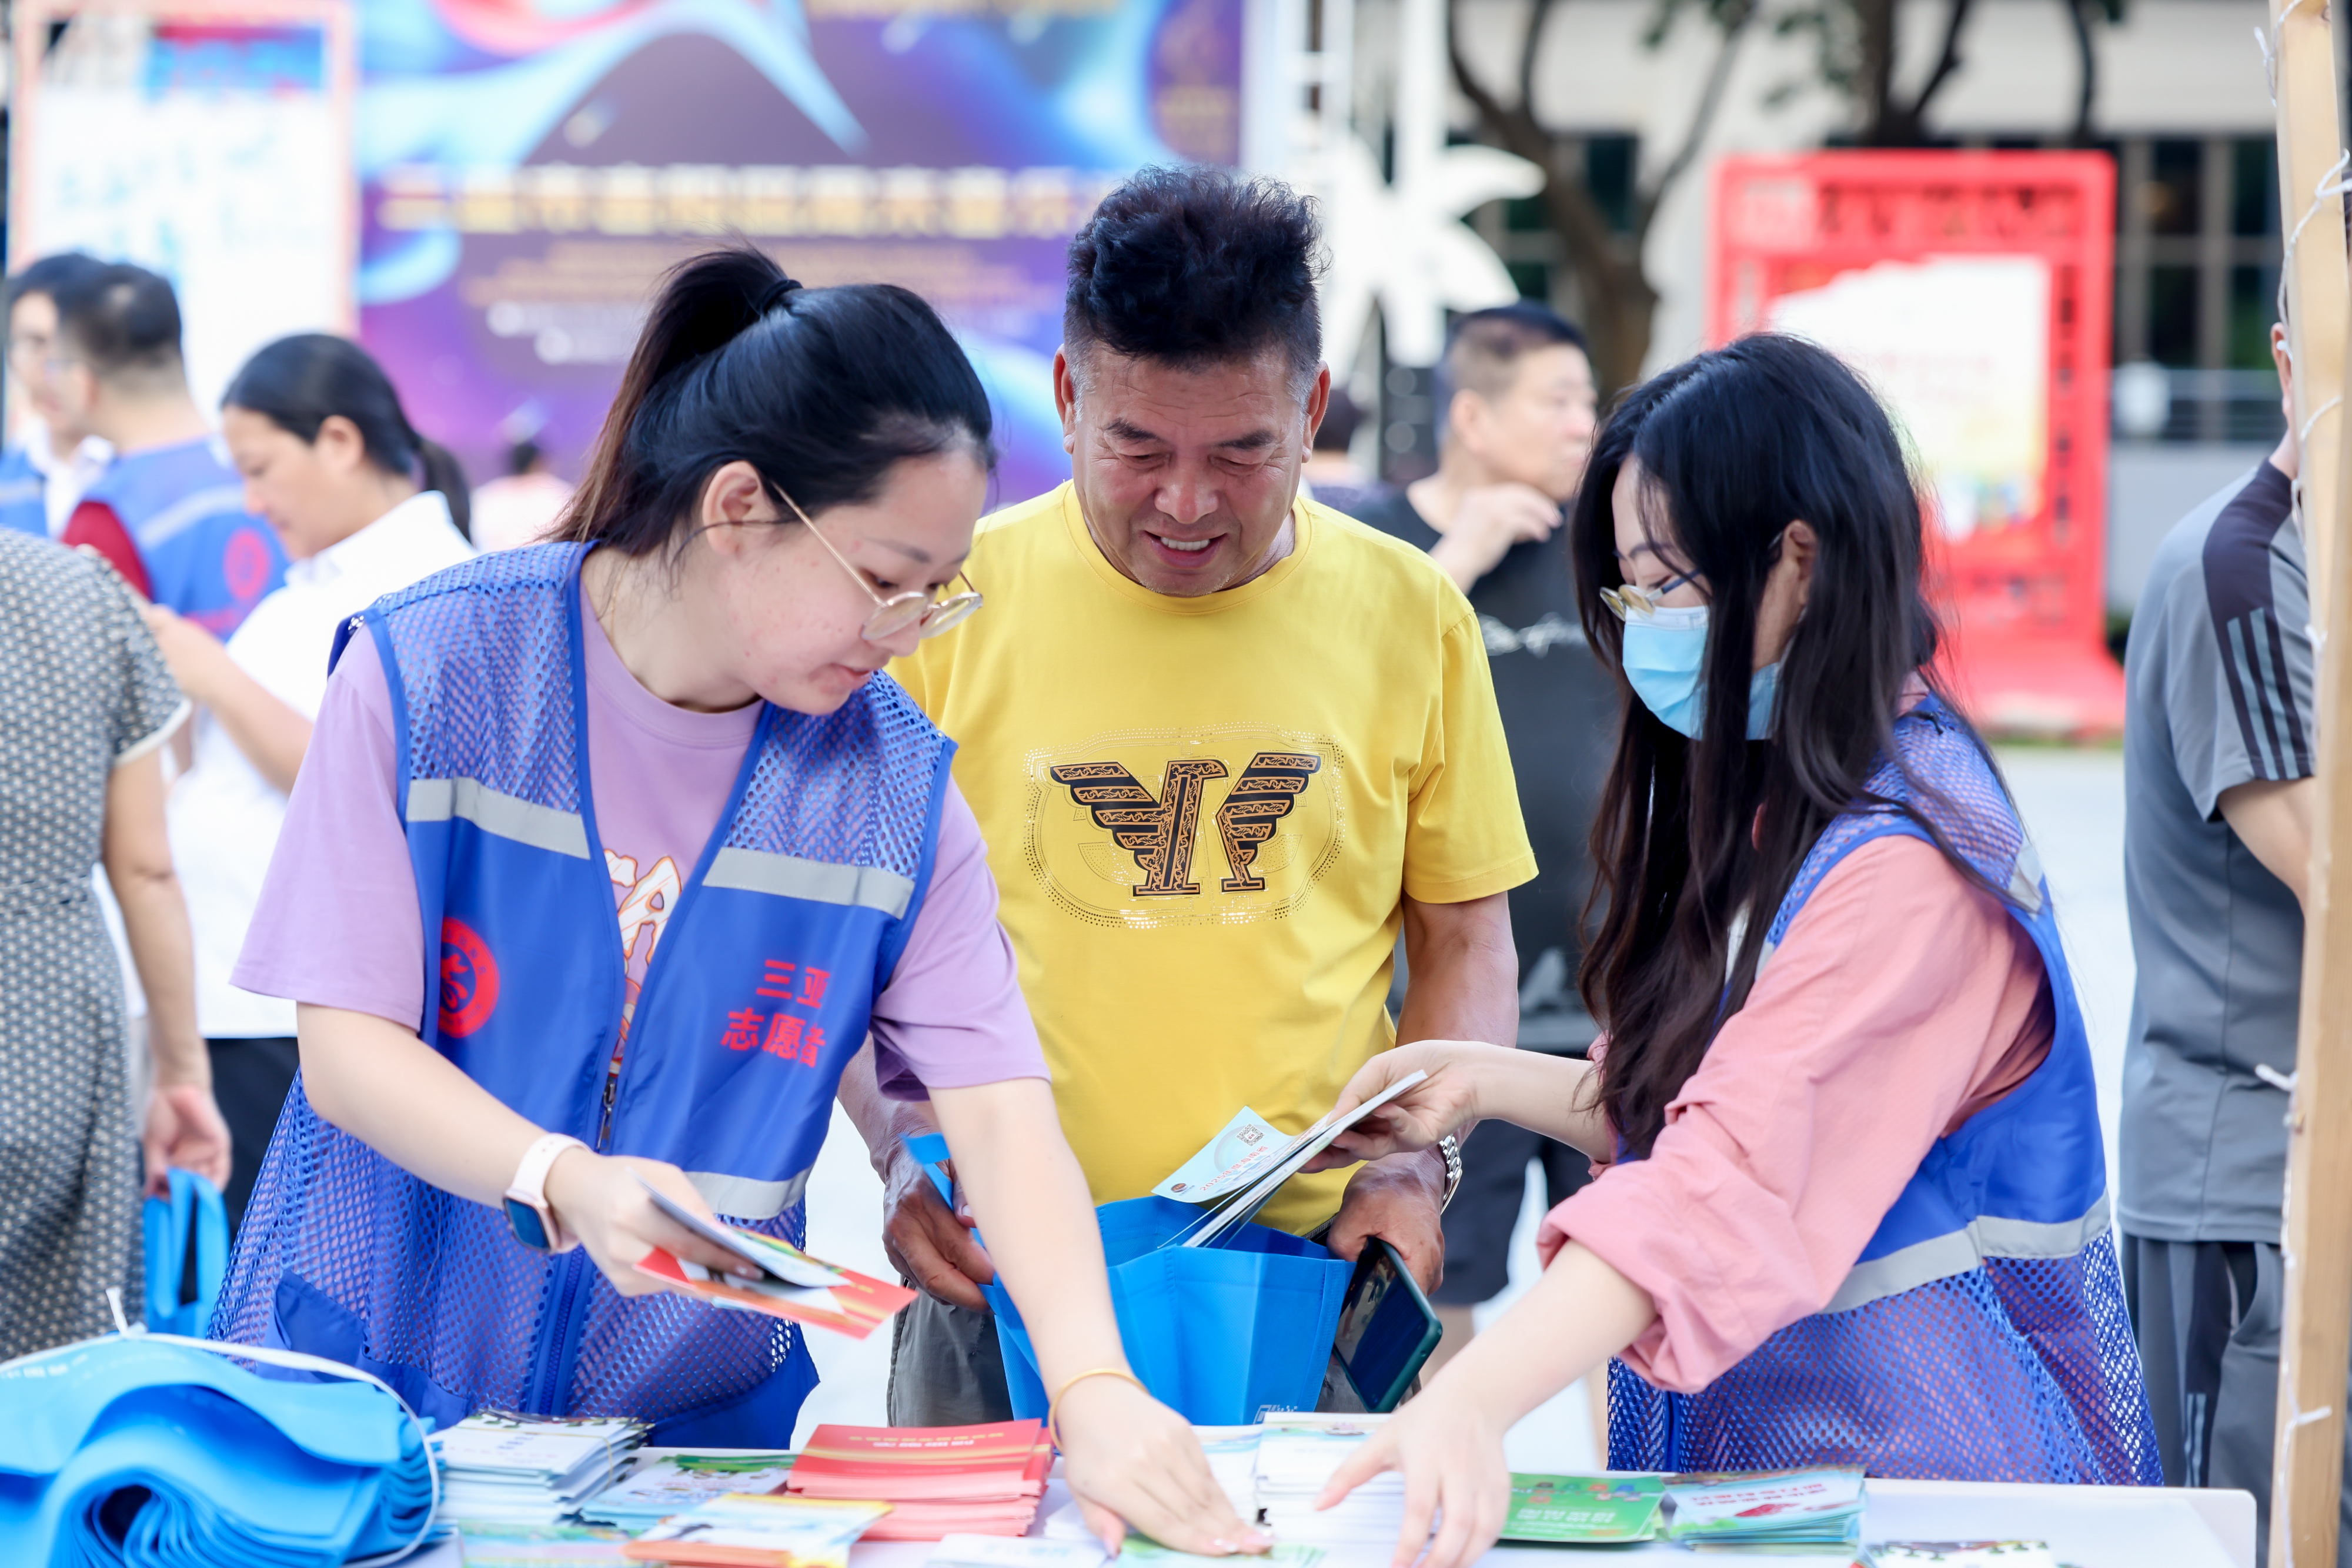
<point>1974,290</point>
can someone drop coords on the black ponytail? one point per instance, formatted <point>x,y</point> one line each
<point>820,389</point>
<point>297,383</point>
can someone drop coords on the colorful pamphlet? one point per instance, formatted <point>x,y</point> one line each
<point>855,1307</point>
<point>1815,1507</point>
<point>1268,1176</point>
<point>1583,1509</point>
<point>1247,1146</point>
<point>944,1480</point>
<point>737,1532</point>
<point>539,1545</point>
<point>662,1482</point>
<point>997,1551</point>
<point>1961,1554</point>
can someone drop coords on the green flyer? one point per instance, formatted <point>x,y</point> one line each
<point>1584,1509</point>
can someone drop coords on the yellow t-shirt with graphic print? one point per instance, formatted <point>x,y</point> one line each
<point>1203,812</point>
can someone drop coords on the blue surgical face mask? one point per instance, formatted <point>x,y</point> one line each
<point>1665,660</point>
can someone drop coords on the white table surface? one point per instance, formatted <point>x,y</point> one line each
<point>2088,1527</point>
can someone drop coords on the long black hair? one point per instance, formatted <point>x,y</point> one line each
<point>820,389</point>
<point>297,383</point>
<point>1696,841</point>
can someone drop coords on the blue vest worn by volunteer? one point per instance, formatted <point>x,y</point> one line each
<point>206,557</point>
<point>1982,1335</point>
<point>792,923</point>
<point>24,494</point>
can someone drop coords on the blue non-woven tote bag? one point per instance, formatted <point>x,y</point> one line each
<point>1217,1333</point>
<point>191,1220</point>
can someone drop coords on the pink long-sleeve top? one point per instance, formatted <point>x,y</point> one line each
<point>1902,1001</point>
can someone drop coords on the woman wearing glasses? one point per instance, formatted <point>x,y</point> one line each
<point>677,712</point>
<point>1855,1211</point>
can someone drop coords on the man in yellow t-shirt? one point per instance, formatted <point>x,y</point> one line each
<point>1224,745</point>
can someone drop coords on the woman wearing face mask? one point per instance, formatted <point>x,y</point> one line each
<point>1855,1207</point>
<point>676,712</point>
<point>364,506</point>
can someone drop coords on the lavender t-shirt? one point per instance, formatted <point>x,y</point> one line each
<point>337,925</point>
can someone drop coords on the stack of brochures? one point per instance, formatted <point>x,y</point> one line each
<point>1242,1168</point>
<point>663,1481</point>
<point>1296,1454</point>
<point>736,1531</point>
<point>941,1481</point>
<point>1816,1506</point>
<point>511,1470</point>
<point>1583,1511</point>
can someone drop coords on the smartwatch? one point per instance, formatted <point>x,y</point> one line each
<point>528,1215</point>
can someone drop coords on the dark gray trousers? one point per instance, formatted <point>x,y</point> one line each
<point>2205,1314</point>
<point>946,1369</point>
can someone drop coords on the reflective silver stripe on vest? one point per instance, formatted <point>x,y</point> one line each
<point>1942,1257</point>
<point>540,827</point>
<point>819,882</point>
<point>740,1197</point>
<point>188,512</point>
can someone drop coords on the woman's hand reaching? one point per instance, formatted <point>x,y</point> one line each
<point>1447,1101</point>
<point>1130,1460</point>
<point>600,1200</point>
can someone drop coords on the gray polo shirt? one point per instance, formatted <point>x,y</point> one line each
<point>2219,692</point>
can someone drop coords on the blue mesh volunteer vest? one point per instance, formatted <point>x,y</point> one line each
<point>183,507</point>
<point>24,495</point>
<point>755,1000</point>
<point>1982,1335</point>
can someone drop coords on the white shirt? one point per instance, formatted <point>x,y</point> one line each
<point>63,480</point>
<point>225,815</point>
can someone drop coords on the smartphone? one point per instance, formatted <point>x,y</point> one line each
<point>1387,1329</point>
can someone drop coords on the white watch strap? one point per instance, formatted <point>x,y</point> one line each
<point>530,1184</point>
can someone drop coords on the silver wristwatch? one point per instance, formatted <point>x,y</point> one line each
<point>1449,1148</point>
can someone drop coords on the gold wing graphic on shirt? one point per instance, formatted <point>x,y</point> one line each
<point>1158,831</point>
<point>1265,793</point>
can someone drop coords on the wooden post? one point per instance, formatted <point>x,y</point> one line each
<point>2316,1248</point>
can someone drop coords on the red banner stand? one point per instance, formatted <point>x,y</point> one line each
<point>2024,603</point>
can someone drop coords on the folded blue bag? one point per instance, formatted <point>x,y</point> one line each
<point>147,1452</point>
<point>194,1205</point>
<point>1217,1333</point>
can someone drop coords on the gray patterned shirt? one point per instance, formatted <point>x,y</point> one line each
<point>2220,684</point>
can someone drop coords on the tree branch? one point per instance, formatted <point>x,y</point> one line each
<point>1527,53</point>
<point>2087,94</point>
<point>1710,99</point>
<point>1915,118</point>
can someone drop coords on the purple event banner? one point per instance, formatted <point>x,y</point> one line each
<point>528,169</point>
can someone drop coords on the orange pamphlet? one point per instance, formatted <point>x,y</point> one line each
<point>855,1307</point>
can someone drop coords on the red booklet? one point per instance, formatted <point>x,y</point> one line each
<point>1002,1462</point>
<point>857,1307</point>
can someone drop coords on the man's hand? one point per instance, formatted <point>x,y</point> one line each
<point>928,1242</point>
<point>1396,1199</point>
<point>1489,521</point>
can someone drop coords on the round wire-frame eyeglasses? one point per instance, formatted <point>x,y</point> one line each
<point>916,607</point>
<point>1634,602</point>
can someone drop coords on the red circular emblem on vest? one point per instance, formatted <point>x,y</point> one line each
<point>470,979</point>
<point>245,564</point>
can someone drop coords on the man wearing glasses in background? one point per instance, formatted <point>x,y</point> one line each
<point>53,459</point>
<point>1515,420</point>
<point>1223,745</point>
